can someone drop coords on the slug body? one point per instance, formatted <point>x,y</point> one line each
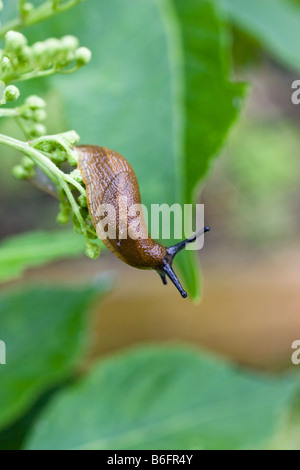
<point>109,179</point>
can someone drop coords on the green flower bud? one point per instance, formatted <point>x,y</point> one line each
<point>83,56</point>
<point>92,250</point>
<point>45,146</point>
<point>38,130</point>
<point>27,163</point>
<point>27,8</point>
<point>72,160</point>
<point>69,43</point>
<point>2,92</point>
<point>39,115</point>
<point>26,113</point>
<point>64,215</point>
<point>71,138</point>
<point>83,200</point>
<point>35,102</point>
<point>52,47</point>
<point>14,41</point>
<point>39,49</point>
<point>5,63</point>
<point>12,93</point>
<point>59,156</point>
<point>63,218</point>
<point>25,55</point>
<point>76,175</point>
<point>20,173</point>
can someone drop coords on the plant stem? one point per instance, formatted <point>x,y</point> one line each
<point>9,113</point>
<point>39,159</point>
<point>22,127</point>
<point>28,76</point>
<point>21,6</point>
<point>41,13</point>
<point>74,206</point>
<point>59,178</point>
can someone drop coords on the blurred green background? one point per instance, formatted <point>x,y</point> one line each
<point>165,86</point>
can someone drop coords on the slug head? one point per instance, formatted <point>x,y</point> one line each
<point>171,252</point>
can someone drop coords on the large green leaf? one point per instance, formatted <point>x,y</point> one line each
<point>275,23</point>
<point>36,248</point>
<point>209,101</point>
<point>273,147</point>
<point>123,99</point>
<point>289,436</point>
<point>45,331</point>
<point>164,398</point>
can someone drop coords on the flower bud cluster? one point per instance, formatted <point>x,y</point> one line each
<point>19,61</point>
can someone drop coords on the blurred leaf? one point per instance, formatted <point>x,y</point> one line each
<point>266,198</point>
<point>12,437</point>
<point>123,98</point>
<point>275,23</point>
<point>31,249</point>
<point>289,436</point>
<point>212,102</point>
<point>45,332</point>
<point>164,398</point>
<point>9,10</point>
<point>246,50</point>
<point>157,91</point>
<point>211,105</point>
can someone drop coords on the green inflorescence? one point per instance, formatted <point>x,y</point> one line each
<point>55,154</point>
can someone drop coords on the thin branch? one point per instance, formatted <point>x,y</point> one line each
<point>9,112</point>
<point>42,13</point>
<point>59,178</point>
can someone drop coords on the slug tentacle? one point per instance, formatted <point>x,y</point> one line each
<point>171,275</point>
<point>173,250</point>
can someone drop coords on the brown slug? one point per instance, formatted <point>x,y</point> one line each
<point>108,176</point>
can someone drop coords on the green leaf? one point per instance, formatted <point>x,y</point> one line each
<point>289,436</point>
<point>211,104</point>
<point>31,249</point>
<point>123,99</point>
<point>13,436</point>
<point>275,23</point>
<point>164,398</point>
<point>9,11</point>
<point>157,91</point>
<point>273,147</point>
<point>45,332</point>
